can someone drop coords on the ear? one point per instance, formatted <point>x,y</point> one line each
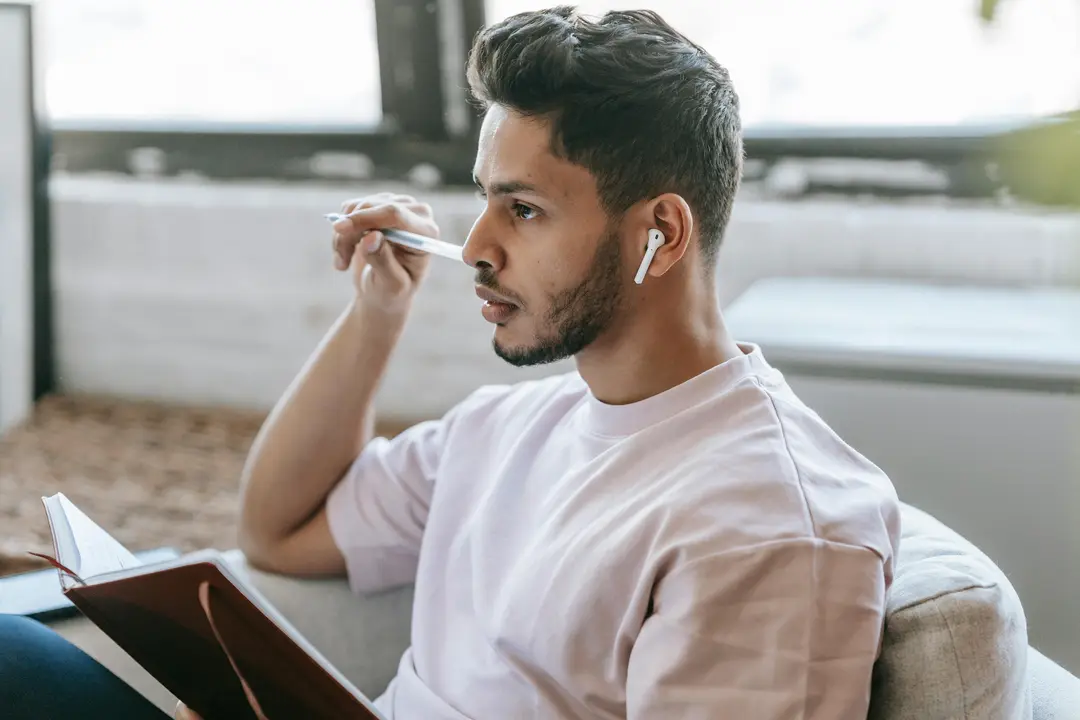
<point>671,215</point>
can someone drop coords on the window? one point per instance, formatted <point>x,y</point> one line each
<point>211,61</point>
<point>302,89</point>
<point>879,62</point>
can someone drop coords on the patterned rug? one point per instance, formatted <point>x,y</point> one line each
<point>151,475</point>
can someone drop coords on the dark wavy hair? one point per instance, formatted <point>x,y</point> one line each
<point>630,99</point>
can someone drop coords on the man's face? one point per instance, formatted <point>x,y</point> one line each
<point>548,259</point>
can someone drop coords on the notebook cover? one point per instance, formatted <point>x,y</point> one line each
<point>159,619</point>
<point>36,594</point>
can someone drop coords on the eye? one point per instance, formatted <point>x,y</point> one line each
<point>524,212</point>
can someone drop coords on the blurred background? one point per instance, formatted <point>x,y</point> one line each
<point>906,246</point>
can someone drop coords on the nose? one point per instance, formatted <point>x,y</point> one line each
<point>482,247</point>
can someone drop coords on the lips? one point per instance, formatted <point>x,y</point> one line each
<point>488,295</point>
<point>497,308</point>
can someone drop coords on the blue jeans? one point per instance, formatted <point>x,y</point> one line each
<point>43,676</point>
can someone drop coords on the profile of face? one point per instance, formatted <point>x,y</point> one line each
<point>549,261</point>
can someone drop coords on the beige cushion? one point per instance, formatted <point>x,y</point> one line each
<point>955,633</point>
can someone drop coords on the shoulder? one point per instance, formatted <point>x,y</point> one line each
<point>848,497</point>
<point>769,469</point>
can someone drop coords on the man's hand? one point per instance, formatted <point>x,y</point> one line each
<point>183,712</point>
<point>386,275</point>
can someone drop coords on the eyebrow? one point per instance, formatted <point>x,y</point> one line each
<point>506,187</point>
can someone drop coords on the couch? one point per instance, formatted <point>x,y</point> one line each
<point>955,644</point>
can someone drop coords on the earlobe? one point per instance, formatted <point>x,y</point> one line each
<point>656,239</point>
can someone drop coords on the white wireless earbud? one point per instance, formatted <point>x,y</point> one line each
<point>656,239</point>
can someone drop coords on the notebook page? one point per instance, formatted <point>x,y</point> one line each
<point>98,551</point>
<point>64,544</point>
<point>192,558</point>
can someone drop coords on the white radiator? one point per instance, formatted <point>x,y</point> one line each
<point>969,398</point>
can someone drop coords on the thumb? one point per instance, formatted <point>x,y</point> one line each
<point>379,256</point>
<point>183,712</point>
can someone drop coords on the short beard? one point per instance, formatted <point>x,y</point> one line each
<point>578,315</point>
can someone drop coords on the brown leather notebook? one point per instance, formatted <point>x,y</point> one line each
<point>193,624</point>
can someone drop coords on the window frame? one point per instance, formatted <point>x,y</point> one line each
<point>422,50</point>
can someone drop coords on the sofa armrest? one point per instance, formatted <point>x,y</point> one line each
<point>1055,692</point>
<point>363,636</point>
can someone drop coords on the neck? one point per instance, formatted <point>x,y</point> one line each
<point>653,350</point>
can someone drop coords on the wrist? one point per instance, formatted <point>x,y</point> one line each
<point>378,319</point>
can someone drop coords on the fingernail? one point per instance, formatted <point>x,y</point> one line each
<point>339,262</point>
<point>375,242</point>
<point>343,225</point>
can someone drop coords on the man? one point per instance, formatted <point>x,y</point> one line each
<point>667,532</point>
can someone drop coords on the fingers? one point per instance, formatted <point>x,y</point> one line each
<point>389,215</point>
<point>361,219</point>
<point>379,256</point>
<point>385,198</point>
<point>183,712</point>
<point>365,216</point>
<point>421,209</point>
<point>344,248</point>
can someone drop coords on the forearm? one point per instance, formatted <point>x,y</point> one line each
<point>316,429</point>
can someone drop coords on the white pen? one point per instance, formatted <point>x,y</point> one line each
<point>413,241</point>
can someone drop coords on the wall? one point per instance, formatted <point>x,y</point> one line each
<point>215,293</point>
<point>16,220</point>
